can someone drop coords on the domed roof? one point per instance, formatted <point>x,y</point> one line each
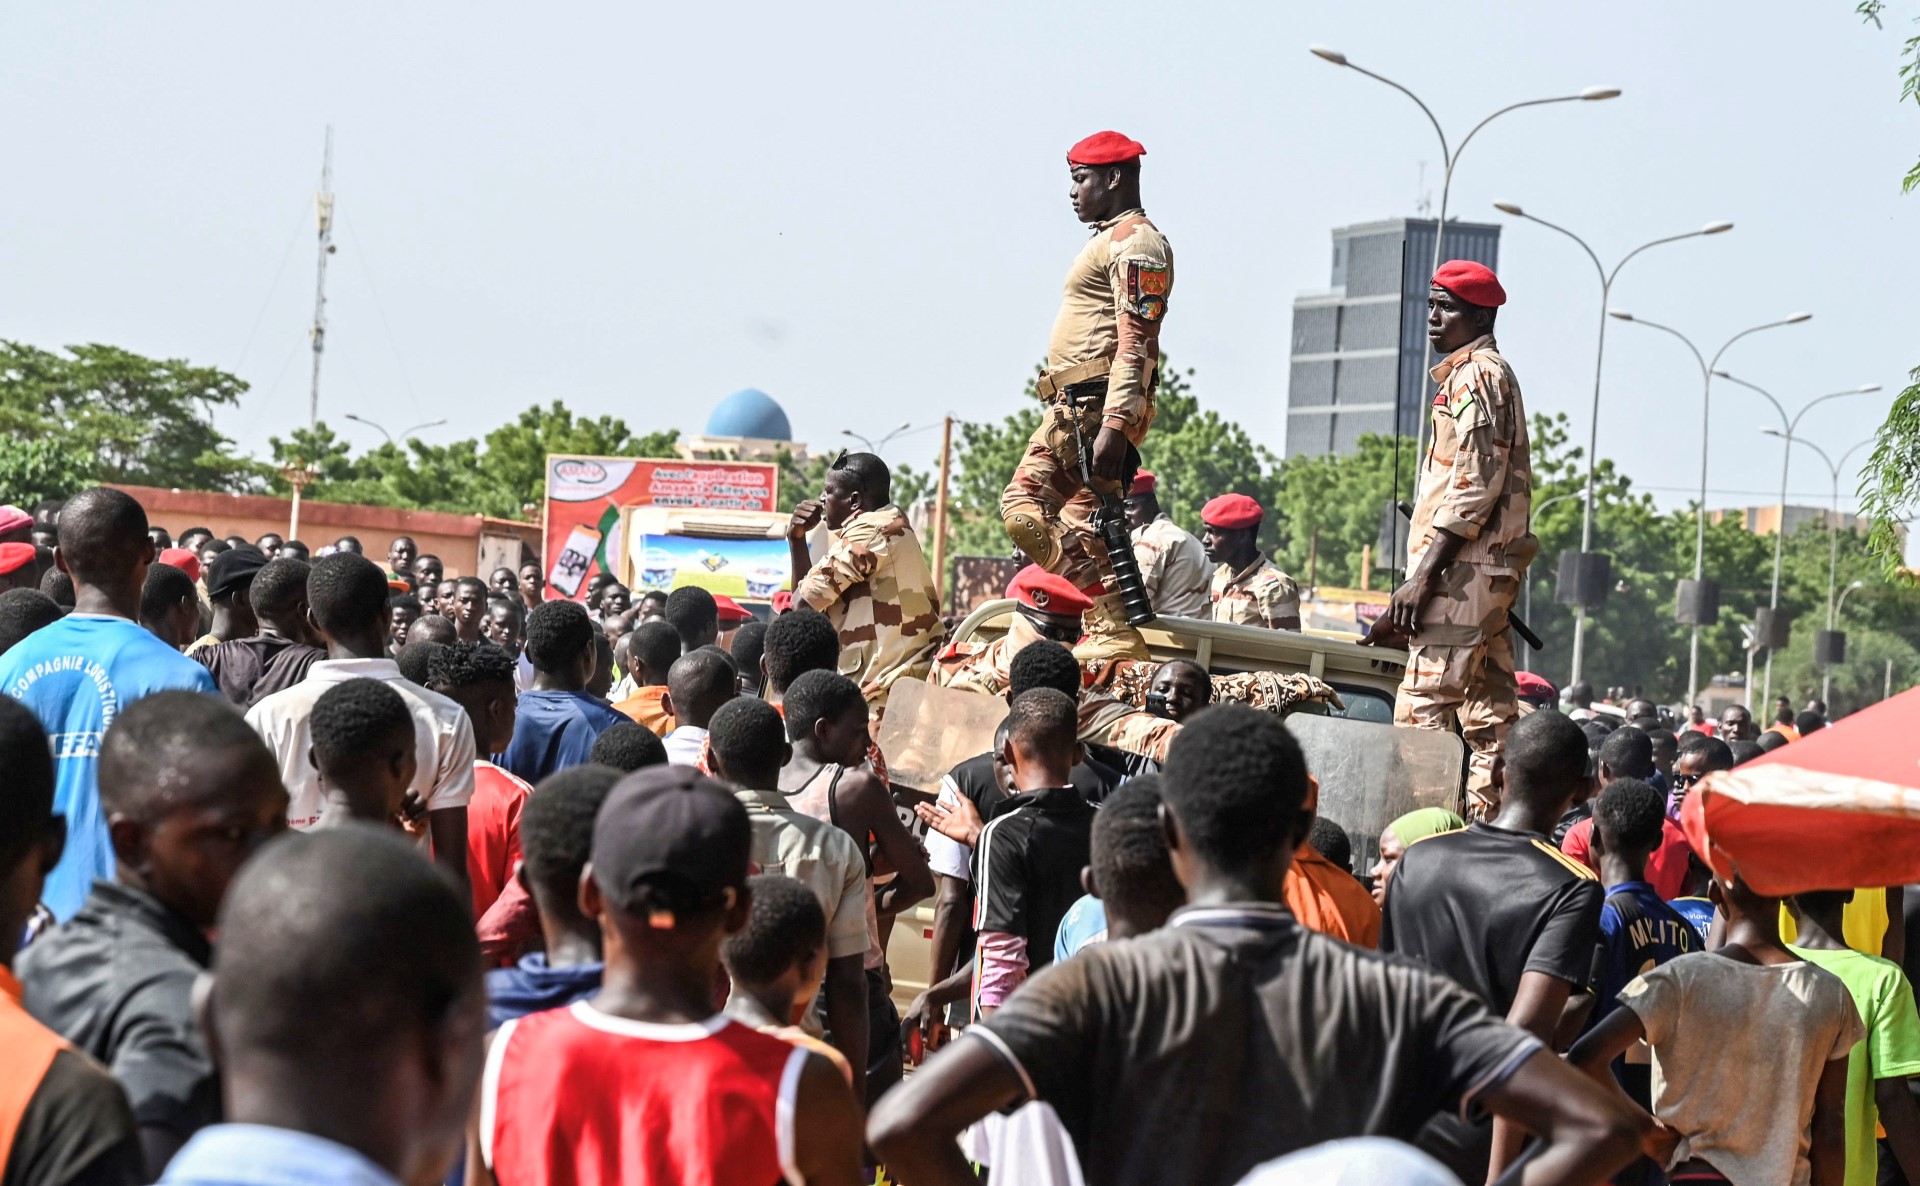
<point>749,412</point>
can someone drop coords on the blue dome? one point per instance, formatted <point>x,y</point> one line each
<point>749,412</point>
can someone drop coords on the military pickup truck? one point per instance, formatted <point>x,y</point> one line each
<point>1370,772</point>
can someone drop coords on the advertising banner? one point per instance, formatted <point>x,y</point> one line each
<point>743,569</point>
<point>586,498</point>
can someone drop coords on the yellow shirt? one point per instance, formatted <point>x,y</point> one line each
<point>1863,925</point>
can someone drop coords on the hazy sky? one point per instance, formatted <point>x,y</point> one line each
<point>861,208</point>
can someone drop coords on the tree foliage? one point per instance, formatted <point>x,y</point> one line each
<point>1890,484</point>
<point>137,420</point>
<point>34,470</point>
<point>502,474</point>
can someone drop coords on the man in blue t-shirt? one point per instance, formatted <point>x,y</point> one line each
<point>1638,930</point>
<point>81,672</point>
<point>558,720</point>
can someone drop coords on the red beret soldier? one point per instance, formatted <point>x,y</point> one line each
<point>1173,565</point>
<point>1470,543</point>
<point>1046,606</point>
<point>1248,588</point>
<point>1100,375</point>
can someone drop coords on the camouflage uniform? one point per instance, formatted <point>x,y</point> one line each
<point>1257,595</point>
<point>1173,567</point>
<point>874,587</point>
<point>1100,369</point>
<point>1477,483</point>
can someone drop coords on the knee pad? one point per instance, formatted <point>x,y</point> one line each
<point>1030,534</point>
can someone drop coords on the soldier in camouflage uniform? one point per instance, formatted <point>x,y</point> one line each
<point>1247,587</point>
<point>1173,565</point>
<point>1470,545</point>
<point>873,582</point>
<point>1047,607</point>
<point>1100,374</point>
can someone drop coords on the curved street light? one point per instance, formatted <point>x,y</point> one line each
<point>1599,355</point>
<point>1833,531</point>
<point>905,426</point>
<point>1452,157</point>
<point>1787,425</point>
<point>383,432</point>
<point>1526,584</point>
<point>1700,510</point>
<point>1842,603</point>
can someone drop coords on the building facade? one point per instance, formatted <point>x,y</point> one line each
<point>1359,348</point>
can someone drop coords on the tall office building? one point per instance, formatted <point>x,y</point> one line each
<point>1360,346</point>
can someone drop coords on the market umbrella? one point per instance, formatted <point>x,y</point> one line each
<point>1839,809</point>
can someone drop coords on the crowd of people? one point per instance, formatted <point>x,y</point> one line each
<point>318,870</point>
<point>320,866</point>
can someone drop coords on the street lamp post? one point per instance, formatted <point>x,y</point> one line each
<point>1599,355</point>
<point>383,432</point>
<point>1526,586</point>
<point>905,425</point>
<point>1787,425</point>
<point>1451,157</point>
<point>1832,540</point>
<point>1700,510</point>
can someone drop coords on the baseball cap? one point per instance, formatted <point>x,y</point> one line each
<point>669,837</point>
<point>233,570</point>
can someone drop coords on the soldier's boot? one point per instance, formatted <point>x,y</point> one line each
<point>1107,634</point>
<point>1030,533</point>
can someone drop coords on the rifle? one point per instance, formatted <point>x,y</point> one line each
<point>1514,620</point>
<point>1111,522</point>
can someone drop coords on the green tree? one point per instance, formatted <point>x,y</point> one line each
<point>502,475</point>
<point>140,421</point>
<point>1327,510</point>
<point>1890,483</point>
<point>33,470</point>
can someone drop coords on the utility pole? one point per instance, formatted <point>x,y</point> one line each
<point>323,207</point>
<point>940,511</point>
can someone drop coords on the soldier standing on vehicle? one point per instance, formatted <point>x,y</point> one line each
<point>1470,543</point>
<point>1247,588</point>
<point>1101,371</point>
<point>873,583</point>
<point>1173,565</point>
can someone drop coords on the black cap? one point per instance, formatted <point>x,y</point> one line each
<point>673,829</point>
<point>234,569</point>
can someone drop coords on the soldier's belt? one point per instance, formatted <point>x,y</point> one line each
<point>1053,387</point>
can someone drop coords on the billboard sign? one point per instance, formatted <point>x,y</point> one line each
<point>587,498</point>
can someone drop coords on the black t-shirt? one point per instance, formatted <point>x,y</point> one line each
<point>75,1131</point>
<point>1094,779</point>
<point>249,670</point>
<point>1485,906</point>
<point>1026,868</point>
<point>116,980</point>
<point>1233,1036</point>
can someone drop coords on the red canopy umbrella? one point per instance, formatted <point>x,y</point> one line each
<point>1837,810</point>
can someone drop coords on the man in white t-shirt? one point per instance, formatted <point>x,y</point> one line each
<point>347,596</point>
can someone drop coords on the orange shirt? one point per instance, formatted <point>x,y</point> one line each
<point>644,706</point>
<point>1330,900</point>
<point>30,1048</point>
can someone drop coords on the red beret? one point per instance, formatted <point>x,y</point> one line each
<point>14,557</point>
<point>1231,512</point>
<point>183,560</point>
<point>1105,148</point>
<point>1143,482</point>
<point>1039,589</point>
<point>730,610</point>
<point>783,601</point>
<point>1530,684</point>
<point>1473,283</point>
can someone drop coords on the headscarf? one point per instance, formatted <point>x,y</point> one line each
<point>1428,821</point>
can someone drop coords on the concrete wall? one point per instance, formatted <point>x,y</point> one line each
<point>456,539</point>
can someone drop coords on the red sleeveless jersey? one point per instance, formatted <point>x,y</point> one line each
<point>577,1097</point>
